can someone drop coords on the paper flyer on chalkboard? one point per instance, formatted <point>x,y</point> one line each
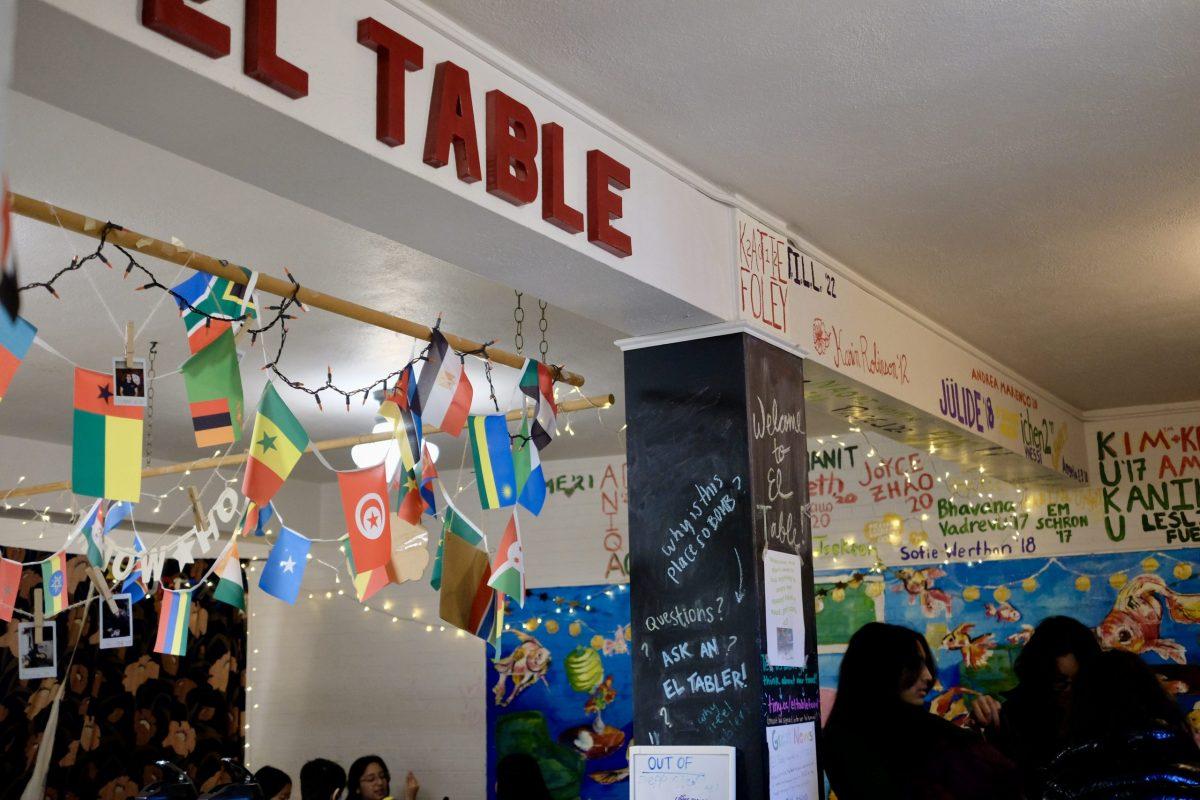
<point>792,753</point>
<point>784,595</point>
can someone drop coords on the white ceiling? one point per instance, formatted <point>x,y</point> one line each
<point>75,163</point>
<point>1026,174</point>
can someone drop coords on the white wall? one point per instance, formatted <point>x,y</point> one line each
<point>332,680</point>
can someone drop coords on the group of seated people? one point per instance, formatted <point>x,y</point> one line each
<point>1082,723</point>
<point>322,779</point>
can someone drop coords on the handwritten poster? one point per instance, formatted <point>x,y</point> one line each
<point>792,752</point>
<point>784,600</point>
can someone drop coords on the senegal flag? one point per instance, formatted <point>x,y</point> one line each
<point>276,445</point>
<point>214,392</point>
<point>107,444</point>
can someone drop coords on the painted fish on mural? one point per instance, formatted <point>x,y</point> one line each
<point>1002,612</point>
<point>920,585</point>
<point>1135,621</point>
<point>525,665</point>
<point>1022,636</point>
<point>975,650</point>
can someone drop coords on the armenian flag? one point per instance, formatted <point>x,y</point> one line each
<point>491,450</point>
<point>214,391</point>
<point>538,384</point>
<point>276,445</point>
<point>173,622</point>
<point>55,587</point>
<point>214,296</point>
<point>16,335</point>
<point>107,443</point>
<point>231,589</point>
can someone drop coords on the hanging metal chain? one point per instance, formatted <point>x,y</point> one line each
<point>519,318</point>
<point>149,437</point>
<point>542,326</point>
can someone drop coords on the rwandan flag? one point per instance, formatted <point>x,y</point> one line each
<point>173,622</point>
<point>212,295</point>
<point>107,443</point>
<point>276,445</point>
<point>15,338</point>
<point>491,449</point>
<point>54,584</point>
<point>214,392</point>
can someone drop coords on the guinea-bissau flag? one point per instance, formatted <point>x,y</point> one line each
<point>276,445</point>
<point>16,335</point>
<point>214,392</point>
<point>106,458</point>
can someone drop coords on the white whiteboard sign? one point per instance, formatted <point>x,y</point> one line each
<point>668,773</point>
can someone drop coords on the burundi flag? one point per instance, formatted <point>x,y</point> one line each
<point>509,575</point>
<point>527,462</point>
<point>466,600</point>
<point>214,392</point>
<point>444,392</point>
<point>231,589</point>
<point>370,581</point>
<point>107,443</point>
<point>55,588</point>
<point>538,384</point>
<point>173,622</point>
<point>135,584</point>
<point>397,407</point>
<point>276,445</point>
<point>214,296</point>
<point>16,335</point>
<point>491,451</point>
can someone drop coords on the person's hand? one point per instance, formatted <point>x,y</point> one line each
<point>411,787</point>
<point>985,711</point>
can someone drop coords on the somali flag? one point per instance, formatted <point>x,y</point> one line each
<point>173,622</point>
<point>16,335</point>
<point>135,584</point>
<point>491,449</point>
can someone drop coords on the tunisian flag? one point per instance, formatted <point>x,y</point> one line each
<point>365,504</point>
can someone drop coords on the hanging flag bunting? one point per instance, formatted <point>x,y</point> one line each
<point>409,500</point>
<point>209,294</point>
<point>106,458</point>
<point>10,581</point>
<point>173,622</point>
<point>285,566</point>
<point>397,407</point>
<point>429,474</point>
<point>491,451</point>
<point>527,463</point>
<point>276,445</point>
<point>214,391</point>
<point>10,297</point>
<point>16,335</point>
<point>444,392</point>
<point>365,506</point>
<point>538,384</point>
<point>370,581</point>
<point>466,600</point>
<point>453,519</point>
<point>55,588</point>
<point>509,575</point>
<point>91,525</point>
<point>115,514</point>
<point>231,588</point>
<point>135,584</point>
<point>255,520</point>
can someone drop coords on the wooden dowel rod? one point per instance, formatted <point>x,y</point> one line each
<point>131,240</point>
<point>565,407</point>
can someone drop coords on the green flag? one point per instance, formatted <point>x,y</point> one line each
<point>214,391</point>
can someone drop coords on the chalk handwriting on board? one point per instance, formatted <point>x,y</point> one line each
<point>686,540</point>
<point>773,423</point>
<point>662,712</point>
<point>740,594</point>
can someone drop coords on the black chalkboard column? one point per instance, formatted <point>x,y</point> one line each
<point>717,476</point>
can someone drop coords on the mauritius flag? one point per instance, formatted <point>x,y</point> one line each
<point>173,622</point>
<point>276,445</point>
<point>214,392</point>
<point>107,444</point>
<point>231,589</point>
<point>491,449</point>
<point>15,337</point>
<point>54,584</point>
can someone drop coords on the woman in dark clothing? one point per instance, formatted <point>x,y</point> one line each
<point>1030,726</point>
<point>881,742</point>
<point>1128,738</point>
<point>518,777</point>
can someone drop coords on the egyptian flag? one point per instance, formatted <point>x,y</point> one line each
<point>538,384</point>
<point>214,391</point>
<point>16,335</point>
<point>106,454</point>
<point>444,392</point>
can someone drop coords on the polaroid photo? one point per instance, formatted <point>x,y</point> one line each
<point>37,661</point>
<point>116,630</point>
<point>785,641</point>
<point>129,381</point>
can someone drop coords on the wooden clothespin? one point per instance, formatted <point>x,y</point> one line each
<point>102,587</point>
<point>130,335</point>
<point>178,582</point>
<point>38,618</point>
<point>197,510</point>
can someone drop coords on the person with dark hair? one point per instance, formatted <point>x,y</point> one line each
<point>321,779</point>
<point>881,742</point>
<point>370,780</point>
<point>518,777</point>
<point>275,783</point>
<point>1030,725</point>
<point>1128,737</point>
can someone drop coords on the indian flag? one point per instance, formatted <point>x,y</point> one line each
<point>107,442</point>
<point>231,589</point>
<point>508,576</point>
<point>173,622</point>
<point>54,584</point>
<point>276,445</point>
